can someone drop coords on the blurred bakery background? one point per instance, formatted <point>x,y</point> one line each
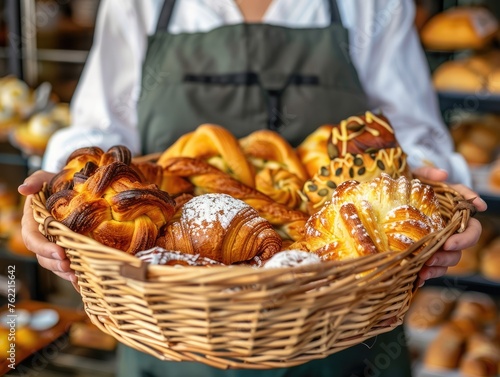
<point>43,48</point>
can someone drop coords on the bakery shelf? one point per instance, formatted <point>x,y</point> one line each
<point>470,102</point>
<point>467,283</point>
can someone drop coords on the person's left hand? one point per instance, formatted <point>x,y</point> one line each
<point>451,252</point>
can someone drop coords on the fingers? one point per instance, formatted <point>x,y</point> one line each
<point>34,182</point>
<point>467,238</point>
<point>444,258</point>
<point>49,255</point>
<point>438,264</point>
<point>427,273</point>
<point>59,267</point>
<point>432,173</point>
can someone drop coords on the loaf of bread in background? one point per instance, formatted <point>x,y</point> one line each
<point>461,27</point>
<point>430,307</point>
<point>490,260</point>
<point>446,349</point>
<point>481,357</point>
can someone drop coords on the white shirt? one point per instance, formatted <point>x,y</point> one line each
<point>384,47</point>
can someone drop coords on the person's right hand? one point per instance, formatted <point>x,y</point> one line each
<point>49,255</point>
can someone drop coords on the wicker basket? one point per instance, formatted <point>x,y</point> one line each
<point>242,317</point>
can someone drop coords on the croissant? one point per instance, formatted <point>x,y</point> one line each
<point>216,145</point>
<point>87,156</point>
<point>279,172</point>
<point>370,217</point>
<point>113,207</point>
<point>208,179</point>
<point>221,228</point>
<point>360,148</point>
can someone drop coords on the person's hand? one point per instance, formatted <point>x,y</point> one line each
<point>49,255</point>
<point>451,252</point>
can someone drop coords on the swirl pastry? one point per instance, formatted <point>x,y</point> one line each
<point>218,147</point>
<point>221,228</point>
<point>279,172</point>
<point>89,158</point>
<point>208,179</point>
<point>360,148</point>
<point>113,207</point>
<point>371,217</point>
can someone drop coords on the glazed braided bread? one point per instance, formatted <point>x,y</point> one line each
<point>113,207</point>
<point>371,217</point>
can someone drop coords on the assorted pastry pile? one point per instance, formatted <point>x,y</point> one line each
<point>212,199</point>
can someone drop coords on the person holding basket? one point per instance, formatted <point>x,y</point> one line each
<point>158,69</point>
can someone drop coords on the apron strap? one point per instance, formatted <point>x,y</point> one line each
<point>168,8</point>
<point>165,15</point>
<point>334,12</point>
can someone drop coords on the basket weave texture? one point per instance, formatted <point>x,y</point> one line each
<point>244,317</point>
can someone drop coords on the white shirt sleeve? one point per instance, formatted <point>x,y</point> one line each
<point>103,108</point>
<point>392,67</point>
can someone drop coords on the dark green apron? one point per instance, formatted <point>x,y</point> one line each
<point>247,77</point>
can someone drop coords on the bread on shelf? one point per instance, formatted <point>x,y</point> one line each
<point>458,28</point>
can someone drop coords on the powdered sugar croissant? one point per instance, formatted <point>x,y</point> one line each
<point>371,217</point>
<point>221,228</point>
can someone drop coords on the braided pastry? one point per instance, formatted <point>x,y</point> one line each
<point>360,148</point>
<point>87,157</point>
<point>312,151</point>
<point>221,228</point>
<point>371,217</point>
<point>153,173</point>
<point>217,146</point>
<point>208,179</point>
<point>279,172</point>
<point>113,207</point>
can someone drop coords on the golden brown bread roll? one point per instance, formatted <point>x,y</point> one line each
<point>114,207</point>
<point>459,28</point>
<point>33,135</point>
<point>217,146</point>
<point>446,349</point>
<point>221,228</point>
<point>494,176</point>
<point>208,179</point>
<point>360,148</point>
<point>478,306</point>
<point>490,260</point>
<point>457,76</point>
<point>429,308</point>
<point>481,358</point>
<point>279,172</point>
<point>370,217</point>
